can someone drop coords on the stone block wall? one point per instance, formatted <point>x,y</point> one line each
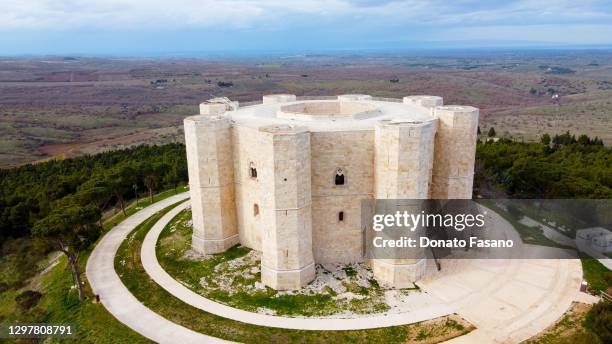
<point>287,260</point>
<point>335,240</point>
<point>249,190</point>
<point>211,183</point>
<point>403,165</point>
<point>455,152</point>
<point>292,210</point>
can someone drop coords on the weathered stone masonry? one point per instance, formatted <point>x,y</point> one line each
<point>287,177</point>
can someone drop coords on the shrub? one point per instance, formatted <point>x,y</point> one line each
<point>514,211</point>
<point>28,299</point>
<point>599,320</point>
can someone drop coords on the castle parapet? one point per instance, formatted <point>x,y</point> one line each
<point>354,97</point>
<point>424,101</point>
<point>217,106</point>
<point>278,98</point>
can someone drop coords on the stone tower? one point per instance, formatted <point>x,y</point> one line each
<point>455,152</point>
<point>403,165</point>
<point>287,261</point>
<point>211,182</point>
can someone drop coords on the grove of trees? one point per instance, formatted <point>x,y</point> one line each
<point>557,167</point>
<point>61,202</point>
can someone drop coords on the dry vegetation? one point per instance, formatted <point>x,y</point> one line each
<point>567,330</point>
<point>65,106</point>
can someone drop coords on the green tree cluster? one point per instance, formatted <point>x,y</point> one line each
<point>62,201</point>
<point>570,168</point>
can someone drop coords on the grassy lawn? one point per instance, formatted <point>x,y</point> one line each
<point>233,278</point>
<point>129,267</point>
<point>60,304</point>
<point>596,274</point>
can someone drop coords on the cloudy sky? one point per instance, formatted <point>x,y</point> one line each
<point>132,27</point>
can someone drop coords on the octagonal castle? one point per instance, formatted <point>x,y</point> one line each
<point>287,176</point>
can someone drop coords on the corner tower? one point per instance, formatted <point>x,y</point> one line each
<point>211,183</point>
<point>455,152</point>
<point>403,164</point>
<point>287,260</point>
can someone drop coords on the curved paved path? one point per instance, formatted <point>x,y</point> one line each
<point>117,298</point>
<point>508,300</point>
<point>161,277</point>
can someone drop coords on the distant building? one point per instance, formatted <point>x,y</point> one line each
<point>598,239</point>
<point>287,176</point>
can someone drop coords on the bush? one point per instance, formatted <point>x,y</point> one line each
<point>515,212</point>
<point>491,132</point>
<point>599,320</point>
<point>28,299</point>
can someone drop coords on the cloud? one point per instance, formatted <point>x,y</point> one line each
<point>239,14</point>
<point>160,26</point>
<point>576,34</point>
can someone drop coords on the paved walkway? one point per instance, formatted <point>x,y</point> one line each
<point>602,258</point>
<point>508,300</point>
<point>117,298</point>
<point>435,309</point>
<point>549,232</point>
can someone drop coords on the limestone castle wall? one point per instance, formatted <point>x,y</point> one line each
<point>287,260</point>
<point>455,152</point>
<point>247,154</point>
<point>267,180</point>
<point>403,165</point>
<point>211,183</point>
<point>335,240</point>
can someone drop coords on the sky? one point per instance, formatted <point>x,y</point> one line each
<point>156,27</point>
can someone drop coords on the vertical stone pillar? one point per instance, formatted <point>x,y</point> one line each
<point>455,152</point>
<point>211,183</point>
<point>403,164</point>
<point>287,260</point>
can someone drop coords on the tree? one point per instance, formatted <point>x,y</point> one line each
<point>29,192</point>
<point>150,181</point>
<point>584,140</point>
<point>545,139</point>
<point>153,174</point>
<point>120,180</point>
<point>491,132</point>
<point>71,228</point>
<point>172,176</point>
<point>95,191</point>
<point>599,320</point>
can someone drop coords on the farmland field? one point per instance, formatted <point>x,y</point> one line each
<point>69,106</point>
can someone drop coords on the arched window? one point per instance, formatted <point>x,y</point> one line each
<point>341,216</point>
<point>255,209</point>
<point>252,170</point>
<point>339,178</point>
